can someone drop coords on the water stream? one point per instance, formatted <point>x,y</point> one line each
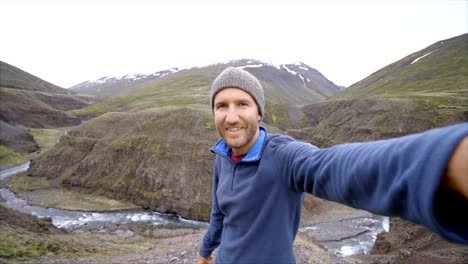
<point>74,220</point>
<point>343,237</point>
<point>349,236</point>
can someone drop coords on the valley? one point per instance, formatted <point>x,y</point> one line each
<point>143,144</point>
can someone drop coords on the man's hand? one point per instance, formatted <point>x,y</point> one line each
<point>456,177</point>
<point>202,260</point>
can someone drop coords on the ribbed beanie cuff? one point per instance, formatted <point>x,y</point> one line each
<point>233,77</point>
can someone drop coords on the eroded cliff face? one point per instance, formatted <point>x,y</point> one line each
<point>17,138</point>
<point>158,159</point>
<point>358,120</point>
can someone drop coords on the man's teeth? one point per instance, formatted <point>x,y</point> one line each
<point>233,129</point>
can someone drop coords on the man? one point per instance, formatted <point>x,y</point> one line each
<point>260,178</point>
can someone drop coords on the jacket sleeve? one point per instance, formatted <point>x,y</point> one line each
<point>212,237</point>
<point>399,176</point>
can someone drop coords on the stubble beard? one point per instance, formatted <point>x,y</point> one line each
<point>232,143</point>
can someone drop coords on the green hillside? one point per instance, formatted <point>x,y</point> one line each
<point>28,102</point>
<point>155,158</point>
<point>426,89</point>
<point>13,77</point>
<point>437,73</point>
<point>190,88</point>
<point>32,102</point>
<point>185,88</point>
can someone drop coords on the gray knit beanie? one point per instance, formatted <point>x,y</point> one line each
<point>237,78</point>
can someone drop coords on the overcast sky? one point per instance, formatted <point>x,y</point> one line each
<point>66,42</point>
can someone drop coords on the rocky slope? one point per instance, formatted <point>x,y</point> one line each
<point>30,102</point>
<point>16,138</point>
<point>38,109</point>
<point>109,86</point>
<point>15,78</point>
<point>25,236</point>
<point>157,158</point>
<point>424,90</point>
<point>411,243</point>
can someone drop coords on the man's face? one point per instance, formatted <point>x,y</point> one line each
<point>236,119</point>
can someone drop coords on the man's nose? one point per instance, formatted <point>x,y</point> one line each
<point>232,115</point>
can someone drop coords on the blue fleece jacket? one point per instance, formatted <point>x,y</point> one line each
<point>257,202</point>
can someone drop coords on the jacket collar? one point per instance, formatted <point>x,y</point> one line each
<point>254,154</point>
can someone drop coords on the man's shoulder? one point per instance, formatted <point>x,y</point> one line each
<point>284,142</point>
<point>278,139</point>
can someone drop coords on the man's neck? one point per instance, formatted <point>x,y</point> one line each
<point>237,158</point>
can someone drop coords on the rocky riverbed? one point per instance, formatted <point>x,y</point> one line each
<point>27,239</point>
<point>156,245</point>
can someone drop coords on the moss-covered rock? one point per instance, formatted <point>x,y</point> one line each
<point>157,158</point>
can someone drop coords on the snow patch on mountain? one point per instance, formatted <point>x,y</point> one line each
<point>289,70</point>
<point>132,77</point>
<point>417,59</point>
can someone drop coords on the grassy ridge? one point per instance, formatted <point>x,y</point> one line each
<point>183,89</point>
<point>424,90</point>
<point>9,157</point>
<point>16,78</point>
<point>439,76</point>
<point>191,88</point>
<point>30,102</point>
<point>45,138</point>
<point>28,110</point>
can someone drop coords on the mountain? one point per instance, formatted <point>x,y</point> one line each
<point>437,71</point>
<point>151,145</point>
<point>423,90</point>
<point>298,74</point>
<point>15,78</point>
<point>296,84</point>
<point>109,86</point>
<point>16,138</point>
<point>30,102</point>
<point>287,88</point>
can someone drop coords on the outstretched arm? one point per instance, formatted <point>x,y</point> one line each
<point>456,178</point>
<point>421,177</point>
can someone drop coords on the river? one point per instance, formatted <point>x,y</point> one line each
<point>349,236</point>
<point>343,237</point>
<point>76,220</point>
